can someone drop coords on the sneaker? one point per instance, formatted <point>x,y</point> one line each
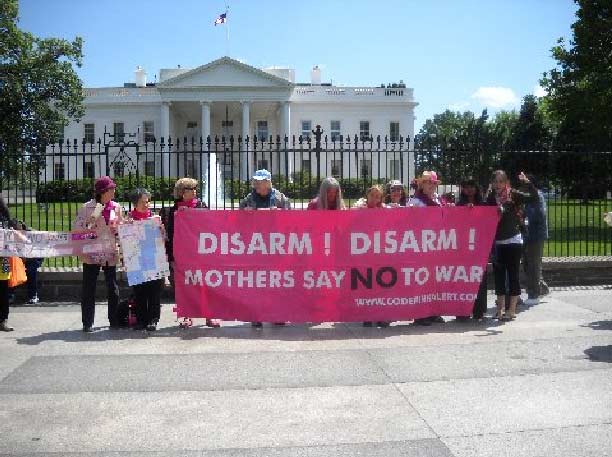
<point>214,323</point>
<point>87,329</point>
<point>4,327</point>
<point>367,324</point>
<point>151,327</point>
<point>437,319</point>
<point>531,301</point>
<point>32,301</point>
<point>257,325</point>
<point>383,324</point>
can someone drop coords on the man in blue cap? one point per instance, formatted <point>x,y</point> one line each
<point>263,195</point>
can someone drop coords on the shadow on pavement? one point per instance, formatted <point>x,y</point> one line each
<point>600,325</point>
<point>289,332</point>
<point>600,353</point>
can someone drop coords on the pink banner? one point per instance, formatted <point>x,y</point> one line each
<point>331,266</point>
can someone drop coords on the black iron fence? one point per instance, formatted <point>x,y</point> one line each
<point>44,187</point>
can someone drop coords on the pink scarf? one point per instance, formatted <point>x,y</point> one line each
<point>503,196</point>
<point>140,215</point>
<point>106,212</point>
<point>188,204</point>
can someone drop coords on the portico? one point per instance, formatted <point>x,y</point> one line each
<point>233,100</point>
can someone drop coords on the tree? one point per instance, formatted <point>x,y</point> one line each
<point>580,87</point>
<point>455,144</point>
<point>39,88</point>
<point>504,127</point>
<point>530,131</point>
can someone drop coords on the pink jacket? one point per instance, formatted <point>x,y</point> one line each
<point>101,228</point>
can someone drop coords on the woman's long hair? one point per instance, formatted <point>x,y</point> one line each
<point>330,183</point>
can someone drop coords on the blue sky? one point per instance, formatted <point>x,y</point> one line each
<point>458,54</point>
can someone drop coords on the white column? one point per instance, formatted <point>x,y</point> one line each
<point>285,130</point>
<point>408,128</point>
<point>205,120</point>
<point>205,123</point>
<point>165,134</point>
<point>246,122</point>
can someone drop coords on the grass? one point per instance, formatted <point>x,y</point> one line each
<point>575,228</point>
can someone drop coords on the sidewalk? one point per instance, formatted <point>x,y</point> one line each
<point>538,386</point>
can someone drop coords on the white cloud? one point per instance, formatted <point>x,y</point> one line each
<point>496,97</point>
<point>539,91</point>
<point>459,106</point>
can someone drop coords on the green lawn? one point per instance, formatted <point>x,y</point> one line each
<point>578,229</point>
<point>575,228</point>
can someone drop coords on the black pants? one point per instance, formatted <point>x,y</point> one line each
<point>507,261</point>
<point>148,298</point>
<point>88,300</point>
<point>480,304</point>
<point>4,300</point>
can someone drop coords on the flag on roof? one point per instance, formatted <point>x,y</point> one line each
<point>221,19</point>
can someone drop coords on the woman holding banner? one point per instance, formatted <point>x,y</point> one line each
<point>471,196</point>
<point>424,196</point>
<point>330,196</point>
<point>6,222</point>
<point>148,294</point>
<point>508,238</point>
<point>395,194</point>
<point>264,197</point>
<point>373,199</point>
<point>185,197</point>
<point>100,214</point>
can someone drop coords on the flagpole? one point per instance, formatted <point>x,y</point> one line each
<point>227,45</point>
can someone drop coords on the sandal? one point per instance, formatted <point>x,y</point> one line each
<point>214,323</point>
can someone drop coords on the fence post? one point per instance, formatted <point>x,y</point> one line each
<point>318,132</point>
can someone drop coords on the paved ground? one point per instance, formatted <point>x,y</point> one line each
<point>539,386</point>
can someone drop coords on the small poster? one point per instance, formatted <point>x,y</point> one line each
<point>144,252</point>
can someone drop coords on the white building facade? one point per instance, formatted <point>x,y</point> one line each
<point>224,98</point>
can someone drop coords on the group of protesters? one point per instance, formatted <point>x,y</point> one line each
<point>521,233</point>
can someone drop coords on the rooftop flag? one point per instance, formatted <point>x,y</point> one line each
<point>221,19</point>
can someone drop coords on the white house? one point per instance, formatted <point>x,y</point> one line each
<point>226,97</point>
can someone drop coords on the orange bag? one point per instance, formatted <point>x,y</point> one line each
<point>18,272</point>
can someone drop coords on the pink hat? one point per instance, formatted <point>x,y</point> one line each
<point>429,176</point>
<point>103,184</point>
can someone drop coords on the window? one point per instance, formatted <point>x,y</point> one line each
<point>334,130</point>
<point>148,129</point>
<point>192,125</point>
<point>306,164</point>
<point>191,167</point>
<point>118,131</point>
<point>89,170</point>
<point>227,123</point>
<point>364,130</point>
<point>394,131</point>
<point>262,164</point>
<point>306,129</point>
<point>365,169</point>
<point>58,171</point>
<point>90,133</point>
<point>262,130</point>
<point>150,168</point>
<point>119,169</point>
<point>394,169</point>
<point>336,168</point>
